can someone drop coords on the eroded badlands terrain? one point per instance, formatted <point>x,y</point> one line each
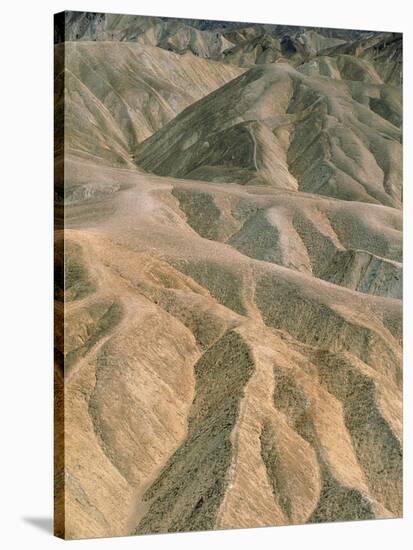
<point>229,320</point>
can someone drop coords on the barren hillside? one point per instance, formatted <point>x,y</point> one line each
<point>228,275</point>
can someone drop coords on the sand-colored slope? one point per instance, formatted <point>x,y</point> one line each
<point>352,244</point>
<point>210,302</point>
<point>109,419</point>
<point>118,94</point>
<point>315,136</point>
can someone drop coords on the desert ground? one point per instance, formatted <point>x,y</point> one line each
<point>228,297</point>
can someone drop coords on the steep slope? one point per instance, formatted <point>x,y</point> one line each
<point>315,131</point>
<point>382,50</point>
<point>118,94</point>
<point>366,272</point>
<point>347,243</point>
